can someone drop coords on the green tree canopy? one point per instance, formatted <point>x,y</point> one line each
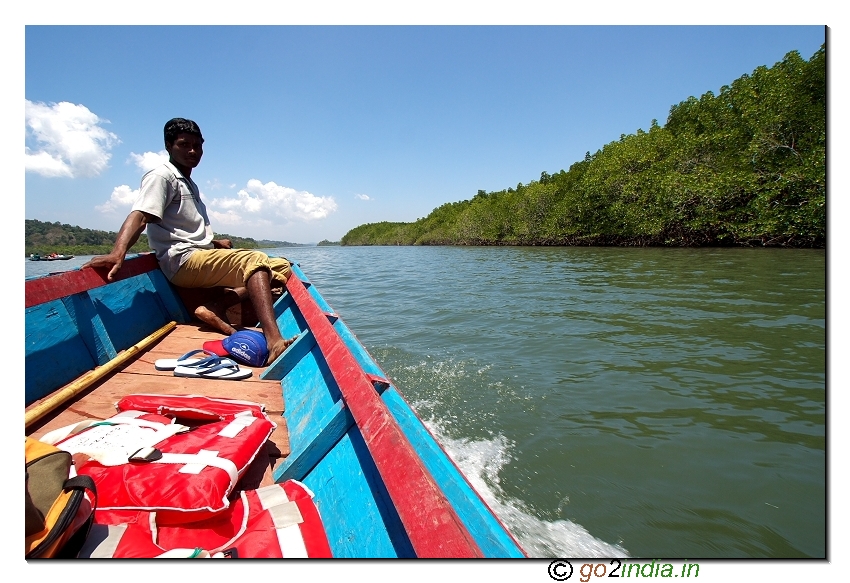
<point>744,167</point>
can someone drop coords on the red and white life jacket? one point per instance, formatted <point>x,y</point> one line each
<point>278,521</point>
<point>142,460</point>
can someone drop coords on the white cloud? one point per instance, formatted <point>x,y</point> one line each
<point>148,160</point>
<point>228,218</point>
<point>122,196</point>
<point>363,196</point>
<point>259,201</point>
<point>67,140</point>
<point>47,165</point>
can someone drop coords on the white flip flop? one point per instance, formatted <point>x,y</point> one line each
<point>172,363</point>
<point>226,370</point>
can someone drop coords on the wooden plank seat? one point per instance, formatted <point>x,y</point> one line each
<point>140,376</point>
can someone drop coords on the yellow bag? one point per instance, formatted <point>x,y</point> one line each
<point>59,507</point>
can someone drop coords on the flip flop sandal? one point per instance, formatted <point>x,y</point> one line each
<point>226,370</point>
<point>172,363</point>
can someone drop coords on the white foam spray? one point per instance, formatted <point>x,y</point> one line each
<point>481,461</point>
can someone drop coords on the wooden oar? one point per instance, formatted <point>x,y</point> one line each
<point>91,377</point>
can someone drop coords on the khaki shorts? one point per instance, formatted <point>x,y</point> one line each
<point>229,268</point>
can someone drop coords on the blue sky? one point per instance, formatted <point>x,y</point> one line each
<point>313,130</point>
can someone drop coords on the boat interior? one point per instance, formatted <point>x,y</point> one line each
<point>140,376</point>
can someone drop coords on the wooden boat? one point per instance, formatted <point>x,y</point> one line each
<point>51,257</point>
<point>382,483</point>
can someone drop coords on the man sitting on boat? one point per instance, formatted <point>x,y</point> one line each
<point>169,205</point>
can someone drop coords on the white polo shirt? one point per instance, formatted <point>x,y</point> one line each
<point>183,225</point>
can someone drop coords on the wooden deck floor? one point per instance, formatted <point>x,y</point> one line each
<point>140,376</point>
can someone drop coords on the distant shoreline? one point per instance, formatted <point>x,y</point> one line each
<point>44,238</point>
<point>78,251</point>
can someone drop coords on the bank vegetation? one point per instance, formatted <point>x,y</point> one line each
<point>43,238</point>
<point>744,167</point>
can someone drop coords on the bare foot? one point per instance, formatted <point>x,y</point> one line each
<point>214,320</point>
<point>277,348</point>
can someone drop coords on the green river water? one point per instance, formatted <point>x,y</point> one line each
<point>609,401</point>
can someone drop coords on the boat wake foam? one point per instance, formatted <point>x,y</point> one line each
<point>481,462</point>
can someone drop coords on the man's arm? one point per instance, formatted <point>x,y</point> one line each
<point>222,244</point>
<point>133,226</point>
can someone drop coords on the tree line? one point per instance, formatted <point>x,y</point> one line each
<point>43,238</point>
<point>744,167</point>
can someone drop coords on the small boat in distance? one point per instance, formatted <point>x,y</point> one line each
<point>50,257</point>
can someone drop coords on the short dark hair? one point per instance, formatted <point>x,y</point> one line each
<point>179,125</point>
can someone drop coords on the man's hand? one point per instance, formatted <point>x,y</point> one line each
<point>222,244</point>
<point>133,226</point>
<point>112,261</point>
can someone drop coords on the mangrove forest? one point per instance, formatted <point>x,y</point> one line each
<point>744,167</point>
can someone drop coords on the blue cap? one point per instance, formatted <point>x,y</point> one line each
<point>245,346</point>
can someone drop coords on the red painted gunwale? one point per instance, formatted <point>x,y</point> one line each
<point>431,522</point>
<point>434,529</point>
<point>53,287</point>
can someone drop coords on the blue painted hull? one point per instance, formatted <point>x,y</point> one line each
<point>359,492</point>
